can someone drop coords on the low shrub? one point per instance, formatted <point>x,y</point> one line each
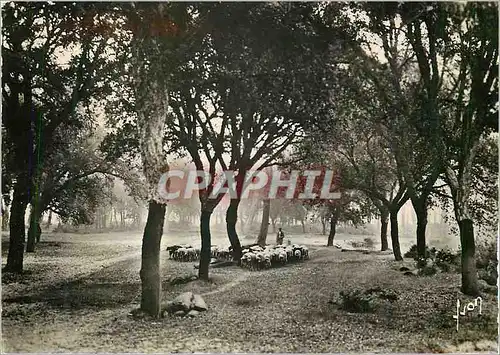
<point>428,270</point>
<point>487,262</point>
<point>434,260</point>
<point>357,302</point>
<point>368,242</point>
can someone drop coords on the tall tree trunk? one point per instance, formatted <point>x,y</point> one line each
<point>49,220</point>
<point>150,261</point>
<point>17,229</point>
<point>5,218</point>
<point>264,226</point>
<point>231,219</point>
<point>206,241</point>
<point>396,249</point>
<point>469,272</point>
<point>460,190</point>
<point>273,223</point>
<point>323,226</point>
<point>384,221</point>
<point>333,230</point>
<point>251,217</point>
<point>303,226</point>
<point>34,229</point>
<point>420,207</point>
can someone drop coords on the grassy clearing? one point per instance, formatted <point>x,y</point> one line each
<point>77,296</point>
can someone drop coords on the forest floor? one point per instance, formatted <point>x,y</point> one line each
<point>78,291</point>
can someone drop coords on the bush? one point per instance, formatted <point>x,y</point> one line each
<point>434,259</point>
<point>428,270</point>
<point>486,252</point>
<point>368,242</point>
<point>364,302</point>
<point>412,253</point>
<point>445,258</point>
<point>357,301</point>
<point>487,262</point>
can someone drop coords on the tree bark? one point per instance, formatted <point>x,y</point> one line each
<point>396,249</point>
<point>17,229</point>
<point>34,229</point>
<point>150,261</point>
<point>333,230</point>
<point>231,219</point>
<point>206,243</point>
<point>460,190</point>
<point>384,221</point>
<point>303,226</point>
<point>420,207</point>
<point>469,272</point>
<point>264,226</point>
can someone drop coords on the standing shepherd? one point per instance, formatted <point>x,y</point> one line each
<point>280,236</point>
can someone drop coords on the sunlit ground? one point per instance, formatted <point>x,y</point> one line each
<point>78,291</point>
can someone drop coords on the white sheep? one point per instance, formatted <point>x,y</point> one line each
<point>305,252</point>
<point>283,257</point>
<point>256,248</point>
<point>298,254</point>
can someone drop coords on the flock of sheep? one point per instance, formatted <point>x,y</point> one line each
<point>188,253</point>
<point>258,258</point>
<point>183,253</point>
<point>254,257</point>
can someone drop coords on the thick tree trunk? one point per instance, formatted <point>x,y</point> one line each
<point>420,208</point>
<point>150,262</point>
<point>34,229</point>
<point>384,221</point>
<point>264,226</point>
<point>206,241</point>
<point>17,229</point>
<point>460,190</point>
<point>469,272</point>
<point>396,249</point>
<point>231,219</point>
<point>333,230</point>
